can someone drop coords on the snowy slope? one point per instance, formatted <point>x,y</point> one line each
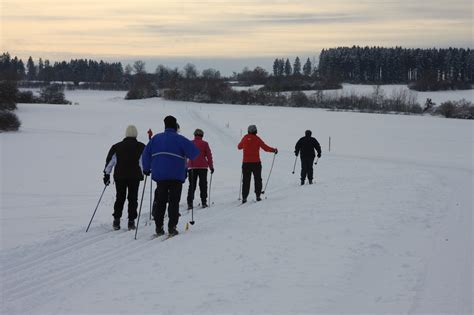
<point>387,228</point>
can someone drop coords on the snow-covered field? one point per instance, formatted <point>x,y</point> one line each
<point>389,90</point>
<point>387,228</point>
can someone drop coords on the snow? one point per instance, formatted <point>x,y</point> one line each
<point>388,90</point>
<point>386,228</point>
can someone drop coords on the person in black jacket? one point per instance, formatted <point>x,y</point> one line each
<point>125,157</point>
<point>306,146</point>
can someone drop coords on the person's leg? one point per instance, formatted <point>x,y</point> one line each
<point>174,188</point>
<point>310,169</point>
<point>192,178</point>
<point>246,174</point>
<point>304,170</point>
<point>159,206</point>
<point>132,198</point>
<point>203,186</point>
<point>121,195</point>
<point>257,175</point>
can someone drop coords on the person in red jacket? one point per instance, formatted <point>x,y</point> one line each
<point>251,163</point>
<point>197,169</point>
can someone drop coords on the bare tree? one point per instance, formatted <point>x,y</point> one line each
<point>139,66</point>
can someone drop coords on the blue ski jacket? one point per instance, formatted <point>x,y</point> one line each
<point>165,155</point>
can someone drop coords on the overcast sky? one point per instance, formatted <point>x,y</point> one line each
<point>226,34</point>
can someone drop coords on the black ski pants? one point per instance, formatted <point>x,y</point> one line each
<point>168,192</point>
<point>122,186</point>
<point>247,170</point>
<point>307,167</point>
<point>193,176</point>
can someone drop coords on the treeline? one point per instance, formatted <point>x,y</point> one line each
<point>399,65</point>
<point>75,71</point>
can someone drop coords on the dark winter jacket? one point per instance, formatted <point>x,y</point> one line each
<point>125,156</point>
<point>306,146</point>
<point>165,155</point>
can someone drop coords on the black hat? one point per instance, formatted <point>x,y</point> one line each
<point>170,122</point>
<point>308,133</point>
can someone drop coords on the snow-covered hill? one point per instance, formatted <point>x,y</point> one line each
<point>387,228</point>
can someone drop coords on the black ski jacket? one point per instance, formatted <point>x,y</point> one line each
<point>306,145</point>
<point>125,156</point>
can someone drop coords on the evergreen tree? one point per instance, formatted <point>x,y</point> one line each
<point>287,68</point>
<point>31,75</point>
<point>297,66</point>
<point>307,68</point>
<point>40,74</point>
<point>276,67</point>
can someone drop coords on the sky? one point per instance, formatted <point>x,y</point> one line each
<point>225,34</point>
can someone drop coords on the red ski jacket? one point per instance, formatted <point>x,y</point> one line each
<point>204,159</point>
<point>251,145</point>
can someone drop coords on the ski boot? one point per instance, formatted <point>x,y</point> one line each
<point>173,231</point>
<point>131,225</point>
<point>159,231</point>
<point>116,224</point>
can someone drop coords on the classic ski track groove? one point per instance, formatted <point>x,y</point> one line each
<point>35,277</point>
<point>65,248</point>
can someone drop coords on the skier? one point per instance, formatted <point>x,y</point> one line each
<point>306,145</point>
<point>125,157</point>
<point>197,169</point>
<point>251,163</point>
<point>165,158</point>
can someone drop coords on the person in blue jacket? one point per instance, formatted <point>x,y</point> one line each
<point>165,158</point>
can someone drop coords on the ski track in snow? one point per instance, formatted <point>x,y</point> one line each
<point>376,233</point>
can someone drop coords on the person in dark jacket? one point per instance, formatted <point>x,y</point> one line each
<point>124,157</point>
<point>165,158</point>
<point>306,146</point>
<point>251,144</point>
<point>197,169</point>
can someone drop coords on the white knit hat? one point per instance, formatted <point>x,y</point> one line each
<point>131,131</point>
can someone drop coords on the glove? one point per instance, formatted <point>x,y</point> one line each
<point>146,173</point>
<point>319,155</point>
<point>212,171</point>
<point>107,179</point>
<point>296,153</point>
<point>276,151</point>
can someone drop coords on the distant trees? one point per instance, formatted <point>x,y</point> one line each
<point>142,85</point>
<point>53,94</point>
<point>75,71</point>
<point>8,91</point>
<point>398,65</point>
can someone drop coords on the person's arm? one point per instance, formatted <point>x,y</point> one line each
<point>267,148</point>
<point>110,160</point>
<point>317,147</point>
<point>298,147</point>
<point>208,154</point>
<point>146,158</point>
<point>240,146</point>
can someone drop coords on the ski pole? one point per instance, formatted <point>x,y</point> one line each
<point>240,185</point>
<point>150,134</point>
<point>210,185</point>
<point>140,211</point>
<point>269,174</point>
<point>151,200</point>
<point>192,216</point>
<point>294,166</point>
<point>96,208</point>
